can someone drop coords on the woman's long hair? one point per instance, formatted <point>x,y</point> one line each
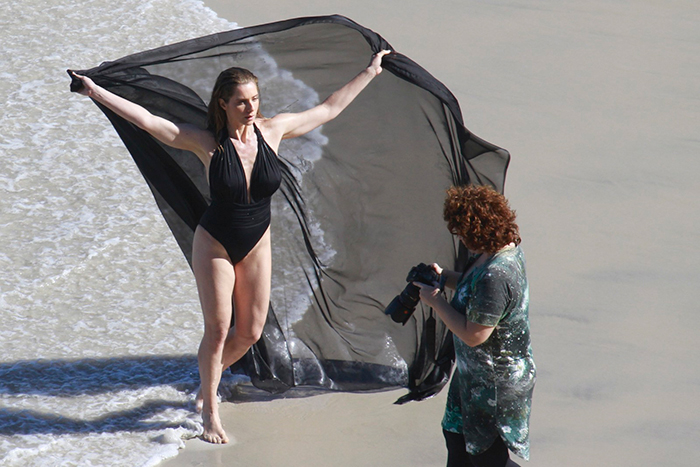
<point>224,88</point>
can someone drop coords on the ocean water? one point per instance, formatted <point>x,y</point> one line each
<point>100,315</point>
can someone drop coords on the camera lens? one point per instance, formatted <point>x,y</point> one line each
<point>403,305</point>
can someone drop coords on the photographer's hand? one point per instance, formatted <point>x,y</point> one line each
<point>431,295</point>
<point>450,278</point>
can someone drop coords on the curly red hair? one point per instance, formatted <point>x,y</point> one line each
<point>481,217</point>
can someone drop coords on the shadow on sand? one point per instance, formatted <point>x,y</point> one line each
<point>91,377</point>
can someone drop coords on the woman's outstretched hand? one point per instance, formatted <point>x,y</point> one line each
<point>375,65</point>
<point>88,85</point>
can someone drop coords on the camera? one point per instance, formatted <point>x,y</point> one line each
<point>404,304</point>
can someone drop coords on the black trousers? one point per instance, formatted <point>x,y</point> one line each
<point>457,455</point>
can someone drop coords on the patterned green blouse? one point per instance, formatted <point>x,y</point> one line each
<point>491,390</point>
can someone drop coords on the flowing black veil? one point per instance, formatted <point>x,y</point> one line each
<point>361,201</point>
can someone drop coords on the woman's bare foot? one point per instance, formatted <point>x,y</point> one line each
<point>213,429</point>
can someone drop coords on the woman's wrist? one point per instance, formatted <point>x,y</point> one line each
<point>371,71</point>
<point>438,301</point>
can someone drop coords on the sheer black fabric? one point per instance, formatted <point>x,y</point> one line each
<point>361,199</point>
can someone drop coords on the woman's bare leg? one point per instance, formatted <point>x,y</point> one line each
<point>251,295</point>
<point>252,300</point>
<point>215,278</point>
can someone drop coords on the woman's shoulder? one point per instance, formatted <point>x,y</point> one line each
<point>271,130</point>
<point>511,253</point>
<point>508,266</point>
<point>504,263</point>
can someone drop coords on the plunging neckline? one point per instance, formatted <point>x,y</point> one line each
<point>247,181</point>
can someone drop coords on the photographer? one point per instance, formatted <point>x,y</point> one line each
<point>488,404</point>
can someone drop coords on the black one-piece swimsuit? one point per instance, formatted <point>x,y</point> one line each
<point>234,219</point>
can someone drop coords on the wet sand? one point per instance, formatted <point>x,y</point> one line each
<point>598,104</point>
<point>324,430</point>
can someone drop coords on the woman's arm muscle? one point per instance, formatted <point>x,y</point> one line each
<point>292,125</point>
<point>180,136</point>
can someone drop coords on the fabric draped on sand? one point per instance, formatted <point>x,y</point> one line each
<point>360,202</point>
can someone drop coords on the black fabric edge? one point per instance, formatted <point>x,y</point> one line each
<point>396,63</point>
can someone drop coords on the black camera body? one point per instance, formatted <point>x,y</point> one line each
<point>404,304</point>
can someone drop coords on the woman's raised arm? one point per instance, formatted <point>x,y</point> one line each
<point>291,125</point>
<point>180,136</point>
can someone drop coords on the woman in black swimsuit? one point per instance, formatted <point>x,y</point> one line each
<point>231,254</point>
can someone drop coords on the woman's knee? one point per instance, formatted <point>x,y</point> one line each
<point>250,334</point>
<point>216,333</point>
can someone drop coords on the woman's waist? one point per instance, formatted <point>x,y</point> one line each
<point>228,212</point>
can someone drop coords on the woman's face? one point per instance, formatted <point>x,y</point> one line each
<point>242,107</point>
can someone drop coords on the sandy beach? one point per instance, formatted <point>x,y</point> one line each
<point>597,103</point>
